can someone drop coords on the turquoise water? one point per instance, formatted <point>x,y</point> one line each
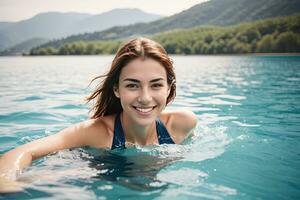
<point>245,146</point>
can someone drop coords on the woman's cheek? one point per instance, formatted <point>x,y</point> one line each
<point>163,96</point>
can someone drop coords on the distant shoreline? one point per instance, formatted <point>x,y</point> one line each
<point>245,54</point>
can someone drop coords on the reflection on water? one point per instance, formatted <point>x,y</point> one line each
<point>136,172</point>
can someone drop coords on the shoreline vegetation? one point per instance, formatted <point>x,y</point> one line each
<point>270,36</point>
<point>227,54</point>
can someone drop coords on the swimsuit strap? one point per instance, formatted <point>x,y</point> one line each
<point>162,133</point>
<point>119,136</point>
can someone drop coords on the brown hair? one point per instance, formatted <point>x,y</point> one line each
<point>106,101</point>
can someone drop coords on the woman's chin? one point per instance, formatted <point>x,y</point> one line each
<point>144,121</point>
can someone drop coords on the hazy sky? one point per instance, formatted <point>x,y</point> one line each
<point>15,10</point>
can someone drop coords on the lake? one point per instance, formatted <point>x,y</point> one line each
<point>246,144</point>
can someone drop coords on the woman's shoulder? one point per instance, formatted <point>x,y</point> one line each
<point>99,131</point>
<point>179,122</point>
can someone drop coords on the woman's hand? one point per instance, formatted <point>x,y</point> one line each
<point>9,186</point>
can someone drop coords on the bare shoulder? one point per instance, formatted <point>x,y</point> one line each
<point>98,132</point>
<point>184,120</point>
<point>180,123</point>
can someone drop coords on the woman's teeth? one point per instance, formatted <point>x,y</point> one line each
<point>144,110</point>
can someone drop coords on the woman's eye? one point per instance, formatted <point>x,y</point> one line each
<point>132,86</point>
<point>157,85</point>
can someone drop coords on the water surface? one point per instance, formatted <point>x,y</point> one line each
<point>245,146</point>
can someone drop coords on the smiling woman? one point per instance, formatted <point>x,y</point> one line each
<point>129,110</point>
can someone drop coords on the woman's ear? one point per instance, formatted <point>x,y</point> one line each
<point>116,91</point>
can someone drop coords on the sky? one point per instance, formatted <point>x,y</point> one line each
<point>16,10</point>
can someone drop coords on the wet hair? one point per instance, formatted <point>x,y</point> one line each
<point>106,101</point>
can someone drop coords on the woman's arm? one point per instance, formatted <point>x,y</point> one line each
<point>12,162</point>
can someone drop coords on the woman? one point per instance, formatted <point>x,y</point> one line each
<point>128,110</point>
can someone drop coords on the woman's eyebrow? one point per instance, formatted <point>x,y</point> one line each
<point>137,81</point>
<point>157,79</point>
<point>131,79</point>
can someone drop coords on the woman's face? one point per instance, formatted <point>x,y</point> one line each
<point>143,90</point>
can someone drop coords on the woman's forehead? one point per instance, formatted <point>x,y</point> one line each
<point>143,69</point>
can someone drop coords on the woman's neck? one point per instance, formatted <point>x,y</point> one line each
<point>137,134</point>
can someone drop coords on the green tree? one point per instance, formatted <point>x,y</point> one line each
<point>208,38</point>
<point>90,49</point>
<point>170,47</point>
<point>197,47</point>
<point>287,42</point>
<point>51,51</point>
<point>64,50</point>
<point>42,51</point>
<point>266,44</point>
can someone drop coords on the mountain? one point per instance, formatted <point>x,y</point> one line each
<point>46,25</point>
<point>23,47</point>
<point>57,25</point>
<point>116,17</point>
<point>213,12</point>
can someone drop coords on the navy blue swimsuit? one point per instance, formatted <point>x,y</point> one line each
<point>119,137</point>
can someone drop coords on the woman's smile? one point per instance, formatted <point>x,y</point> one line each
<point>144,110</point>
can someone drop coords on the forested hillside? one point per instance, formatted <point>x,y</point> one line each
<point>278,35</point>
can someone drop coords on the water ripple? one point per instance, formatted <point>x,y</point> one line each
<point>31,117</point>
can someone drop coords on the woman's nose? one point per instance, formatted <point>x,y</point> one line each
<point>145,96</point>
